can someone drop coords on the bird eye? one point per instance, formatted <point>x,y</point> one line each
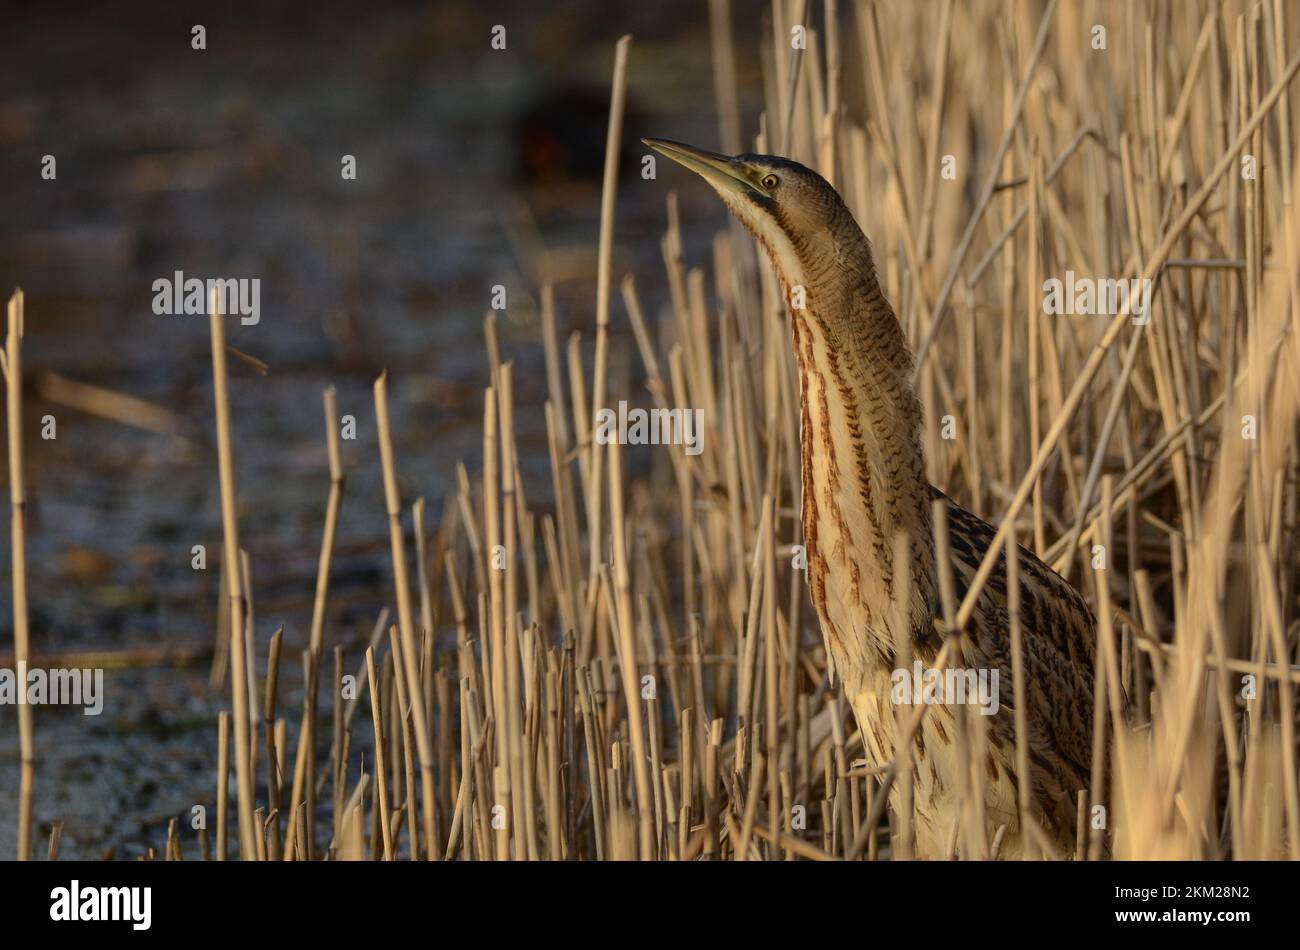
<point>769,182</point>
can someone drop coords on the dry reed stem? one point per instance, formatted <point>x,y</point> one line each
<point>13,373</point>
<point>405,623</point>
<point>240,698</point>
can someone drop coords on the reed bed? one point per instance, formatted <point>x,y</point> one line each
<point>622,663</point>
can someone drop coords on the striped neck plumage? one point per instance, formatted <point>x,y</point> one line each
<point>861,420</point>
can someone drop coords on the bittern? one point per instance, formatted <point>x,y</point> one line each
<point>864,485</point>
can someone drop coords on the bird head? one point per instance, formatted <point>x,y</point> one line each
<point>793,211</point>
<point>814,243</point>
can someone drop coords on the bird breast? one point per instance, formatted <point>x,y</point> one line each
<point>847,516</point>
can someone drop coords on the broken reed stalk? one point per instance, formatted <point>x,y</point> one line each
<point>305,765</point>
<point>13,372</point>
<point>627,655</point>
<point>520,782</point>
<point>332,507</point>
<point>302,797</point>
<point>56,839</point>
<point>223,785</point>
<point>604,265</point>
<point>108,404</point>
<point>240,699</point>
<point>494,643</point>
<point>405,618</point>
<point>381,773</point>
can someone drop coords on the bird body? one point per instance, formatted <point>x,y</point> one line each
<point>864,484</point>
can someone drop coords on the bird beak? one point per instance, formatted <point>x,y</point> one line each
<point>721,171</point>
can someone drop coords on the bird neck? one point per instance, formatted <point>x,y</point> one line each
<point>863,466</point>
